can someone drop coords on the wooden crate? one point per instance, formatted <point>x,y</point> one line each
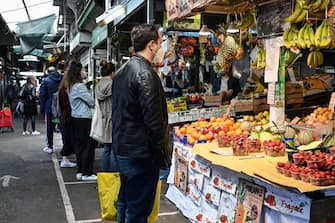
<point>244,105</point>
<point>294,88</point>
<point>212,100</point>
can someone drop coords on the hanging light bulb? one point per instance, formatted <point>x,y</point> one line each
<point>232,28</point>
<point>205,31</point>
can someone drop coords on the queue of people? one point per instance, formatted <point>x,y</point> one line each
<point>129,114</point>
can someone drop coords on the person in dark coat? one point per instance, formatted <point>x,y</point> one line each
<point>49,86</point>
<point>11,94</point>
<point>140,126</point>
<point>228,86</point>
<point>28,97</point>
<point>65,125</point>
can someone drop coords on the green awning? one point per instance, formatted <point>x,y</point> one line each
<point>99,34</point>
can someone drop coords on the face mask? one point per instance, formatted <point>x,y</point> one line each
<point>159,56</point>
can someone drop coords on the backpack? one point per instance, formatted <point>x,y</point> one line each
<point>55,106</point>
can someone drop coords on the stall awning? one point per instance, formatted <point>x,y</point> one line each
<point>85,16</point>
<point>31,33</point>
<point>131,7</point>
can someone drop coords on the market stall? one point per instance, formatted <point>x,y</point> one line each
<point>267,154</point>
<point>206,188</point>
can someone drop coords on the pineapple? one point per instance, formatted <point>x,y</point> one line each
<point>226,54</point>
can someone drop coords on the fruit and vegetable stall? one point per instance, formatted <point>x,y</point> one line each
<point>286,175</point>
<point>267,155</point>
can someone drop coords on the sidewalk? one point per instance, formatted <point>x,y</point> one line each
<point>46,191</point>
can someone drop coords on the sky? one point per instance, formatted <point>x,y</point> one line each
<point>13,11</point>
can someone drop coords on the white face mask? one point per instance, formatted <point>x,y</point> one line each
<point>159,56</point>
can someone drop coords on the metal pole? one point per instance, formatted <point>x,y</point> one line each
<point>109,49</point>
<point>64,21</point>
<point>150,12</point>
<point>25,7</point>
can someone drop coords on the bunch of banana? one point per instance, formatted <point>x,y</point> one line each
<point>290,37</point>
<point>317,5</point>
<point>261,59</point>
<point>248,21</point>
<point>306,36</point>
<point>309,35</point>
<point>326,39</point>
<point>315,59</point>
<point>301,37</point>
<point>299,12</point>
<point>323,36</point>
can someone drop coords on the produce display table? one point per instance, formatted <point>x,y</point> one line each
<point>263,168</point>
<point>208,187</point>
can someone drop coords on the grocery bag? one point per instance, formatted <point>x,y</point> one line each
<point>109,184</point>
<point>108,187</point>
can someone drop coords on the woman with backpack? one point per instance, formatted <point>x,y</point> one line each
<point>28,98</point>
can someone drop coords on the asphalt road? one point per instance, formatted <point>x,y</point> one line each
<point>34,189</point>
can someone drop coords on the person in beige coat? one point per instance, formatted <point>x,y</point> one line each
<point>103,93</point>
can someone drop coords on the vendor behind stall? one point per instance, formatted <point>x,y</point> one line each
<point>175,82</point>
<point>228,86</point>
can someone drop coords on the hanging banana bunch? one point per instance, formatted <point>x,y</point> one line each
<point>290,36</point>
<point>299,12</point>
<point>317,5</point>
<point>315,58</point>
<point>260,61</point>
<point>248,21</point>
<point>323,37</point>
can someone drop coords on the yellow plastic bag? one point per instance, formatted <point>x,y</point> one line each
<point>109,186</point>
<point>155,209</point>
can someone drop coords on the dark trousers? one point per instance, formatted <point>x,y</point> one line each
<point>139,179</point>
<point>25,121</point>
<point>50,129</point>
<point>83,145</point>
<point>66,132</point>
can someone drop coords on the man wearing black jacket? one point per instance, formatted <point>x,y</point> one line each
<point>140,126</point>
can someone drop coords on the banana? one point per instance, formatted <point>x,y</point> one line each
<point>318,35</point>
<point>314,7</point>
<point>324,4</point>
<point>301,38</point>
<point>325,36</point>
<point>247,21</point>
<point>311,59</point>
<point>263,58</point>
<point>293,35</point>
<point>320,57</point>
<point>315,59</point>
<point>301,16</point>
<point>309,35</point>
<point>285,38</point>
<point>297,11</point>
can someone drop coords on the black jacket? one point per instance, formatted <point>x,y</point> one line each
<point>139,114</point>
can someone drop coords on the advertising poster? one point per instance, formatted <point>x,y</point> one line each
<point>181,173</point>
<point>249,202</point>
